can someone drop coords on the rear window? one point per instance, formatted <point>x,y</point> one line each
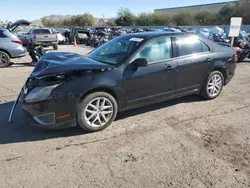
<point>41,31</point>
<point>6,34</point>
<point>190,45</point>
<point>2,34</point>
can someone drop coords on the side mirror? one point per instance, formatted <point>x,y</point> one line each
<point>140,62</point>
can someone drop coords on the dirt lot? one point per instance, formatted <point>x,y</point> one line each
<point>186,142</point>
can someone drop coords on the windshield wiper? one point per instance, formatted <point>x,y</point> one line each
<point>105,62</point>
<point>102,61</point>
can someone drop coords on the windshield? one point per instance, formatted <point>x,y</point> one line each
<point>116,50</point>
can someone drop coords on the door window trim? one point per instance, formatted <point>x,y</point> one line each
<point>148,42</point>
<point>190,55</point>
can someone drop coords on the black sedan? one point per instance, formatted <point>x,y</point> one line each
<point>130,71</point>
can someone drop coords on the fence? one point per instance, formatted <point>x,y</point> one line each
<point>225,27</point>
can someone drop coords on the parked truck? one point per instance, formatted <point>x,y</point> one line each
<point>44,37</point>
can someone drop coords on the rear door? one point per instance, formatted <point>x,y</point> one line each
<point>157,80</point>
<point>194,62</point>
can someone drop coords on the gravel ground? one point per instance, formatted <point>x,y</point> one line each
<point>185,142</point>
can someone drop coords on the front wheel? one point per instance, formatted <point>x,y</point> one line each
<point>96,111</point>
<point>55,47</point>
<point>213,85</point>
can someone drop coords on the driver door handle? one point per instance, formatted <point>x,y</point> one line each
<point>169,67</point>
<point>208,60</point>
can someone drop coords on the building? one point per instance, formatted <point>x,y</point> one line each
<point>214,8</point>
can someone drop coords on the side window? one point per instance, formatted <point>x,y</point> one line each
<point>189,45</point>
<point>205,48</point>
<point>158,50</point>
<point>2,34</point>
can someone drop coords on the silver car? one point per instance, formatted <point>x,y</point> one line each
<point>10,45</point>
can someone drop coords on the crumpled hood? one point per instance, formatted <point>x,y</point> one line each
<point>58,62</point>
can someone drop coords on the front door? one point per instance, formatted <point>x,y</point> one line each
<point>157,80</point>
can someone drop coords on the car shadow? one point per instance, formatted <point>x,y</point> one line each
<point>157,106</point>
<point>246,61</point>
<point>20,130</point>
<point>25,64</point>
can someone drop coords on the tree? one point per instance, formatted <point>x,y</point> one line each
<point>48,23</point>
<point>155,19</point>
<point>144,19</point>
<point>205,18</point>
<point>226,13</point>
<point>161,19</point>
<point>184,18</point>
<point>111,22</point>
<point>242,10</point>
<point>85,19</point>
<point>125,17</point>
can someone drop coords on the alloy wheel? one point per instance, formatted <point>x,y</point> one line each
<point>98,112</point>
<point>214,85</point>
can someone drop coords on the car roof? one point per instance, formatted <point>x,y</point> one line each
<point>146,35</point>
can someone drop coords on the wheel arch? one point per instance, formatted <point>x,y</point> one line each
<point>223,71</point>
<point>5,52</point>
<point>221,67</point>
<point>106,90</point>
<point>217,68</point>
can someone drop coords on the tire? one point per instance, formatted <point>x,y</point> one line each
<point>241,59</point>
<point>55,47</point>
<point>4,59</point>
<point>91,119</point>
<point>209,87</point>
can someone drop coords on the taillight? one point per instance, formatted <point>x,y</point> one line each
<point>34,37</point>
<point>17,41</point>
<point>235,57</point>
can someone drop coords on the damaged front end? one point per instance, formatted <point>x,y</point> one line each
<point>50,94</point>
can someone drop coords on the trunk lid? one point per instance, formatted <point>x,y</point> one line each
<point>46,37</point>
<point>13,26</point>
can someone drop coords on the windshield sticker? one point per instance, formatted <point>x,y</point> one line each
<point>136,39</point>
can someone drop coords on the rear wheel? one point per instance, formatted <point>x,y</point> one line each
<point>241,59</point>
<point>96,111</point>
<point>55,47</point>
<point>212,86</point>
<point>4,59</point>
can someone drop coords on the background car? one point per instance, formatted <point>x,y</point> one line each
<point>44,37</point>
<point>61,39</point>
<point>10,47</point>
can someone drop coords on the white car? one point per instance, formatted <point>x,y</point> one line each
<point>61,39</point>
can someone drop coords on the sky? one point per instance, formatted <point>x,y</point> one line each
<point>34,9</point>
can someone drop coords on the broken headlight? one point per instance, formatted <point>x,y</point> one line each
<point>39,93</point>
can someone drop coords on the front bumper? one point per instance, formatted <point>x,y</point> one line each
<point>56,113</point>
<point>45,43</point>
